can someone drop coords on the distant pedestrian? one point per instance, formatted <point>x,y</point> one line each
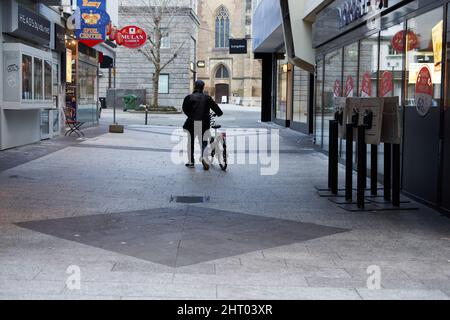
<point>197,107</point>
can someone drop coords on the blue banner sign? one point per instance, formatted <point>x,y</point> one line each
<point>93,20</point>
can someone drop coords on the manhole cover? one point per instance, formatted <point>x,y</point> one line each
<point>189,199</point>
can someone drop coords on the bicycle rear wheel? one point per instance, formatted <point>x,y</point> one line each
<point>223,161</point>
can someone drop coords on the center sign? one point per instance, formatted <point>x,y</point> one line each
<point>91,22</point>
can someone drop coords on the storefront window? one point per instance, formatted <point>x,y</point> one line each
<point>318,114</point>
<point>332,89</point>
<point>350,70</point>
<point>87,85</point>
<point>45,120</point>
<point>350,84</point>
<point>38,79</point>
<point>300,95</point>
<point>391,62</point>
<point>55,87</point>
<point>27,77</point>
<point>282,90</point>
<point>47,80</point>
<point>424,61</point>
<point>368,66</point>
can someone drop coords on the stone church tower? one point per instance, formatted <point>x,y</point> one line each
<point>235,76</point>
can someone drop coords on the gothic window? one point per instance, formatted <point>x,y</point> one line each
<point>222,72</point>
<point>222,27</point>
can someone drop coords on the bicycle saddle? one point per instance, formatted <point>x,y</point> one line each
<point>217,126</point>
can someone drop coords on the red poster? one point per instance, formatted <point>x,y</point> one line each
<point>133,37</point>
<point>398,42</point>
<point>424,91</point>
<point>349,86</point>
<point>337,88</point>
<point>386,84</point>
<point>366,85</point>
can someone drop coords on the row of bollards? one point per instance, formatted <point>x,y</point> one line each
<point>391,184</point>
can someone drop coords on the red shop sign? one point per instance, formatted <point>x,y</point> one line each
<point>133,37</point>
<point>424,91</point>
<point>398,42</point>
<point>386,83</point>
<point>337,88</point>
<point>366,86</point>
<point>349,86</point>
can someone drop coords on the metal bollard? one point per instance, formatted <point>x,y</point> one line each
<point>334,155</point>
<point>362,166</point>
<point>146,115</point>
<point>349,162</point>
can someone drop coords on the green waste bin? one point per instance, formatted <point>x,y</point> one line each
<point>130,102</point>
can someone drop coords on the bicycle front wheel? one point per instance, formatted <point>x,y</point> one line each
<point>223,161</point>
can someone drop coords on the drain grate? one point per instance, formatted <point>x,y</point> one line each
<point>189,199</point>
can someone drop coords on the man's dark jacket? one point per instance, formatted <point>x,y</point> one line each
<point>197,107</point>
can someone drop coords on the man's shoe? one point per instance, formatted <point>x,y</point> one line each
<point>205,165</point>
<point>190,165</point>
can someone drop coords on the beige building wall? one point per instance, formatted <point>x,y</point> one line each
<point>244,71</point>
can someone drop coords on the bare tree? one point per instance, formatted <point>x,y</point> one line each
<point>161,18</point>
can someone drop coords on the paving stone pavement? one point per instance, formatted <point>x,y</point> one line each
<point>113,175</point>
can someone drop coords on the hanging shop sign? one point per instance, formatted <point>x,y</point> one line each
<point>349,87</point>
<point>93,22</point>
<point>132,37</point>
<point>238,46</point>
<point>26,24</point>
<point>424,91</point>
<point>436,33</point>
<point>60,38</point>
<point>398,41</point>
<point>366,85</point>
<point>386,84</point>
<point>337,88</point>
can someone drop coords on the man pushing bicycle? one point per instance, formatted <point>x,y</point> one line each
<point>197,107</point>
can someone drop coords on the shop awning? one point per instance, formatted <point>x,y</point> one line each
<point>106,62</point>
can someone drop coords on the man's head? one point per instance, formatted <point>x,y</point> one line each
<point>199,86</point>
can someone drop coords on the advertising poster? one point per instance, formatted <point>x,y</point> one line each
<point>349,87</point>
<point>424,91</point>
<point>337,89</point>
<point>93,22</point>
<point>386,84</point>
<point>436,33</point>
<point>366,85</point>
<point>69,66</point>
<point>398,41</point>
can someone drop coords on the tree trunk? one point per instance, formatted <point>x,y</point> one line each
<point>155,95</point>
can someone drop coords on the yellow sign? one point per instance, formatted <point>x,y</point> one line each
<point>437,45</point>
<point>68,66</point>
<point>87,3</point>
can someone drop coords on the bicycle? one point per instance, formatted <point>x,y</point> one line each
<point>218,143</point>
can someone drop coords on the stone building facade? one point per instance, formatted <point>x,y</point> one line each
<point>135,71</point>
<point>236,76</point>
